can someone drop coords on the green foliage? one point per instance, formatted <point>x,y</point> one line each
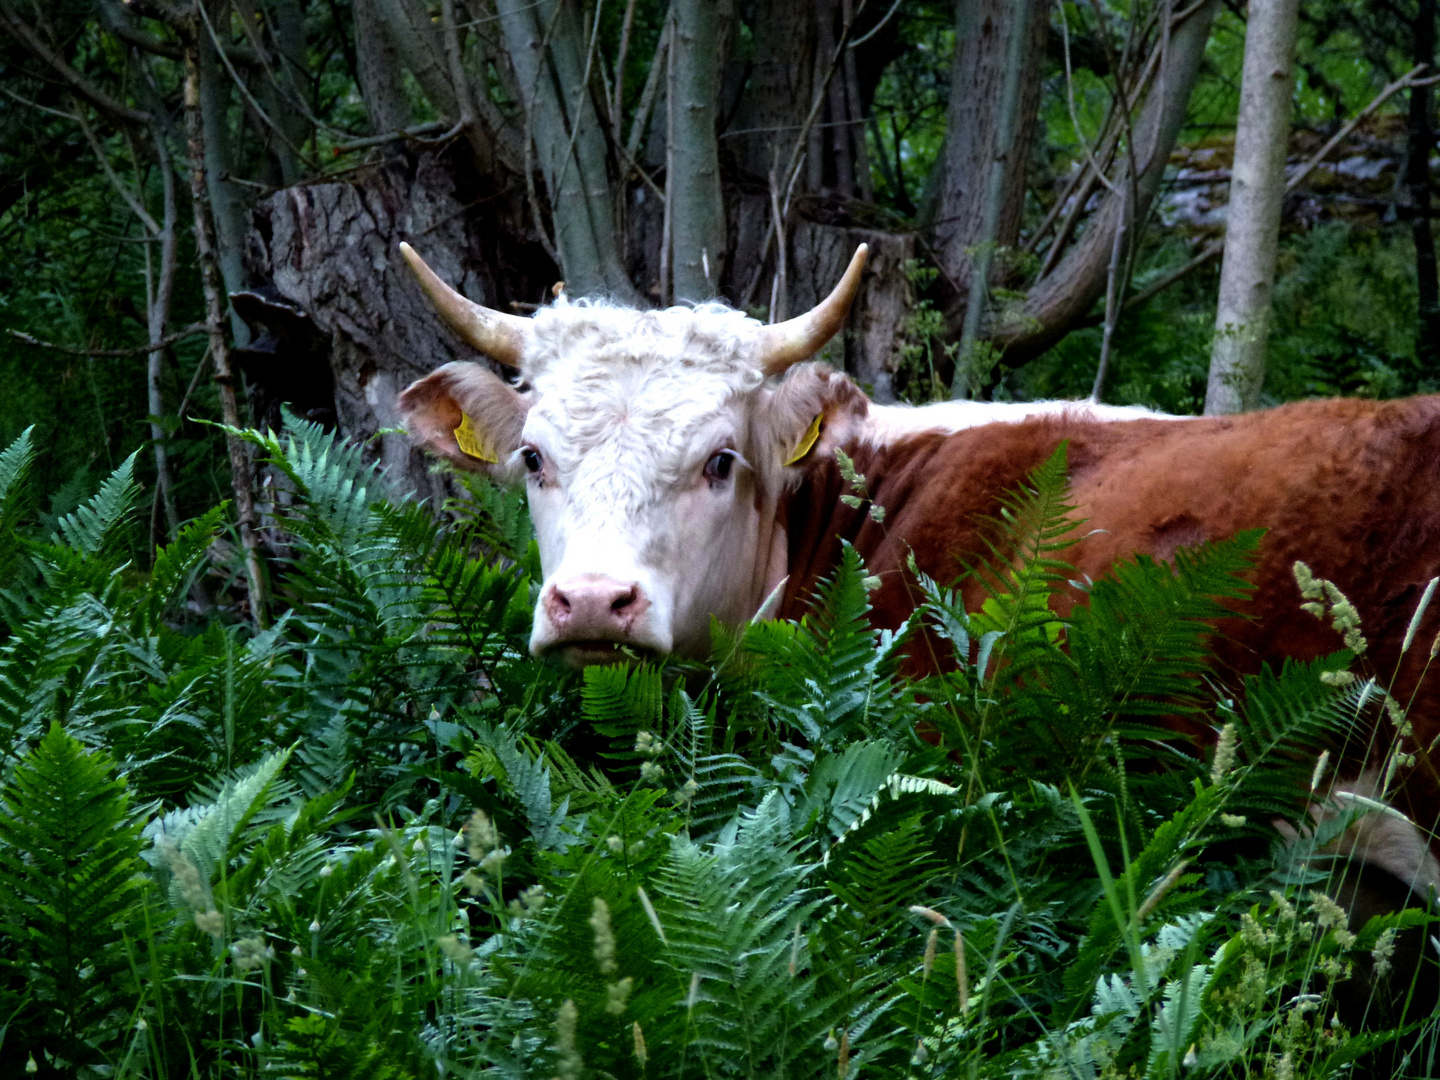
<point>71,889</point>
<point>380,840</point>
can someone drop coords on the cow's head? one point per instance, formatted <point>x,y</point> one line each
<point>654,445</point>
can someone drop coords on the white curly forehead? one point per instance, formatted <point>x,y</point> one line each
<point>592,364</point>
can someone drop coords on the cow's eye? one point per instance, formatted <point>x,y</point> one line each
<point>531,457</point>
<point>719,465</point>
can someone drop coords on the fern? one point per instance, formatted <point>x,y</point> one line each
<point>71,886</point>
<point>831,678</point>
<point>16,462</point>
<point>175,567</point>
<point>211,832</point>
<point>94,526</point>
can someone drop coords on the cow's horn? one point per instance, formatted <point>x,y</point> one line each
<point>494,333</point>
<point>802,337</point>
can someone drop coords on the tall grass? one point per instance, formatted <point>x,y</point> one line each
<point>379,840</point>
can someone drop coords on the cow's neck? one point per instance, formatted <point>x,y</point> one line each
<point>800,538</point>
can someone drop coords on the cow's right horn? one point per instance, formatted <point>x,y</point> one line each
<point>802,337</point>
<point>493,332</point>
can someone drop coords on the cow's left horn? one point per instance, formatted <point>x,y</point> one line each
<point>492,332</point>
<point>802,337</point>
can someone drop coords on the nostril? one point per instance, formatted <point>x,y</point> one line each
<point>561,601</point>
<point>624,600</point>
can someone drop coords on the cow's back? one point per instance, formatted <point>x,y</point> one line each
<point>1348,486</point>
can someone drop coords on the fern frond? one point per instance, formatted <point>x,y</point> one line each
<point>71,881</point>
<point>94,525</point>
<point>210,832</point>
<point>175,566</point>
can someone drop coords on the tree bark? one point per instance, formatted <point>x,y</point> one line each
<point>1061,299</point>
<point>224,197</point>
<point>1420,138</point>
<point>156,318</point>
<point>377,63</point>
<point>241,475</point>
<point>985,33</point>
<point>1257,189</point>
<point>548,46</point>
<point>780,87</point>
<point>1002,167</point>
<point>698,234</point>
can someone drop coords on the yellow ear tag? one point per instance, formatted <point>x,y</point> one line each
<point>807,441</point>
<point>468,439</point>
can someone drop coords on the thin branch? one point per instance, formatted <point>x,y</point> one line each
<point>61,113</point>
<point>240,469</point>
<point>641,119</point>
<point>82,86</point>
<point>1215,247</point>
<point>131,200</point>
<point>667,220</point>
<point>578,109</point>
<point>876,28</point>
<point>617,104</point>
<point>797,153</point>
<point>193,330</point>
<point>1406,80</point>
<point>1113,287</point>
<point>428,128</point>
<point>778,286</point>
<point>245,90</point>
<point>194,382</point>
<point>1070,99</point>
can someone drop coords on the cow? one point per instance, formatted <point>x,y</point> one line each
<point>661,453</point>
<point>682,465</point>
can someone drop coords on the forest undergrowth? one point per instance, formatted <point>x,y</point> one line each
<point>376,839</point>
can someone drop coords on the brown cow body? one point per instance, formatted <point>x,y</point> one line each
<point>1347,486</point>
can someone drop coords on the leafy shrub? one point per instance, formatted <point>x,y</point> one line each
<point>377,839</point>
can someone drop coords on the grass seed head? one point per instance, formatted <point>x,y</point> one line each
<point>455,950</point>
<point>1382,952</point>
<point>251,953</point>
<point>604,936</point>
<point>481,836</point>
<point>1305,578</point>
<point>1224,754</point>
<point>617,995</point>
<point>640,1054</point>
<point>567,1020</point>
<point>962,981</point>
<point>185,874</point>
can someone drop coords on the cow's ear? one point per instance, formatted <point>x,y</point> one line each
<point>812,412</point>
<point>468,415</point>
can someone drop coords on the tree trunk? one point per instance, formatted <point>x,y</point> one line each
<point>225,197</point>
<point>855,112</point>
<point>985,42</point>
<point>780,88</point>
<point>210,276</point>
<point>330,250</point>
<point>549,47</point>
<point>377,63</point>
<point>698,234</point>
<point>1062,298</point>
<point>1421,144</point>
<point>1257,189</point>
<point>157,317</point>
<point>1002,173</point>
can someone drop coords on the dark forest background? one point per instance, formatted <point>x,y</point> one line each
<point>519,143</point>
